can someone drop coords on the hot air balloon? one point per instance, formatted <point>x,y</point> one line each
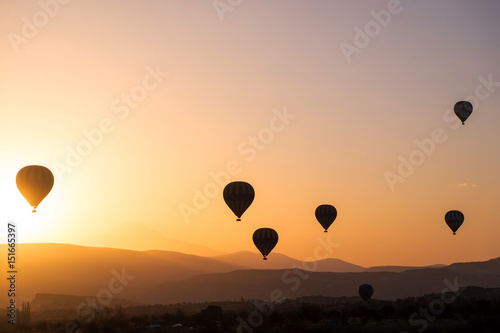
<point>463,110</point>
<point>34,182</point>
<point>238,196</point>
<point>326,214</point>
<point>265,239</point>
<point>454,220</point>
<point>365,291</point>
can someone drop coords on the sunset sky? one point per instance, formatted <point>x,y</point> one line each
<point>136,106</point>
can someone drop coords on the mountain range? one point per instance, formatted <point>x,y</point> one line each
<point>131,236</point>
<point>164,277</point>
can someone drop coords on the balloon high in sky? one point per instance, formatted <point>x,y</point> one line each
<point>454,220</point>
<point>326,214</point>
<point>463,110</point>
<point>238,196</point>
<point>34,182</point>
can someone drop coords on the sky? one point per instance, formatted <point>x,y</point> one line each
<point>144,110</point>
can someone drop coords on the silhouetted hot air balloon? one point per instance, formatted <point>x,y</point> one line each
<point>265,239</point>
<point>463,110</point>
<point>326,214</point>
<point>365,291</point>
<point>454,220</point>
<point>34,182</point>
<point>238,196</point>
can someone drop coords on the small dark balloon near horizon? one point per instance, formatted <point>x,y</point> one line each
<point>365,291</point>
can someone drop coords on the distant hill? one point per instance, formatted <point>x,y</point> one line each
<point>399,269</point>
<point>81,270</point>
<point>146,239</point>
<point>491,266</point>
<point>171,277</point>
<point>261,284</point>
<point>280,261</point>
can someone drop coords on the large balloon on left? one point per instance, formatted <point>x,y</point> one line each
<point>34,182</point>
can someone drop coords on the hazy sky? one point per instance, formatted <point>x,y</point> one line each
<point>136,106</point>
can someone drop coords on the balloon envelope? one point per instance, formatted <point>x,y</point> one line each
<point>454,220</point>
<point>365,291</point>
<point>463,110</point>
<point>34,182</point>
<point>265,239</point>
<point>326,214</point>
<point>238,196</point>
